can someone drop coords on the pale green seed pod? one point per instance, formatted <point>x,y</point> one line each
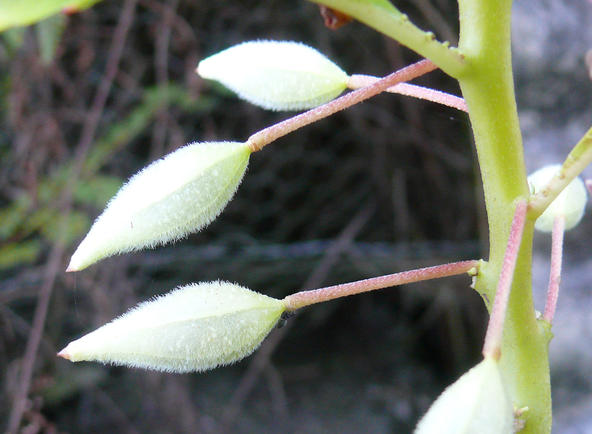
<point>571,203</point>
<point>476,403</point>
<point>193,328</point>
<point>173,196</point>
<point>276,75</point>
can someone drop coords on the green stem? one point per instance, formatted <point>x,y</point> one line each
<point>384,17</point>
<point>488,88</point>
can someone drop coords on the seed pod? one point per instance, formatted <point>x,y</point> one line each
<point>276,75</point>
<point>193,328</point>
<point>475,403</point>
<point>173,196</point>
<point>571,203</point>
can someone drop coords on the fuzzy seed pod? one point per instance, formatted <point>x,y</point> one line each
<point>193,328</point>
<point>276,75</point>
<point>178,194</point>
<point>475,403</point>
<point>571,203</point>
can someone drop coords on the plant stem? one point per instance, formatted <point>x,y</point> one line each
<point>306,298</point>
<point>589,185</point>
<point>384,17</point>
<point>579,157</point>
<point>357,81</point>
<point>262,138</point>
<point>555,273</point>
<point>488,89</point>
<point>493,337</point>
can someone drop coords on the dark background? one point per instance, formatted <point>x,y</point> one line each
<point>386,186</point>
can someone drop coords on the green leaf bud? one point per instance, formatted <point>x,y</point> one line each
<point>570,203</point>
<point>276,75</point>
<point>178,194</point>
<point>476,403</point>
<point>192,328</point>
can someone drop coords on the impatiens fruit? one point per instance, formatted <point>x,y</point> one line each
<point>193,328</point>
<point>476,403</point>
<point>276,75</point>
<point>570,204</point>
<point>178,194</point>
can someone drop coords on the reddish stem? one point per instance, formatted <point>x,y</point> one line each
<point>589,185</point>
<point>495,328</point>
<point>357,81</point>
<point>555,273</point>
<point>258,140</point>
<point>306,298</point>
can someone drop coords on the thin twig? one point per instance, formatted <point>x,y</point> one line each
<point>258,140</point>
<point>279,401</point>
<point>495,328</point>
<point>35,335</point>
<point>111,68</point>
<point>555,273</point>
<point>113,409</point>
<point>306,298</point>
<point>437,20</point>
<point>55,256</point>
<point>357,81</point>
<point>159,131</point>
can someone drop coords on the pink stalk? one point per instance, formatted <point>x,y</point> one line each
<point>306,298</point>
<point>555,273</point>
<point>258,140</point>
<point>589,185</point>
<point>495,328</point>
<point>357,81</point>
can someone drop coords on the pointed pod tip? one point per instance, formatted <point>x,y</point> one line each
<point>72,266</point>
<point>200,69</point>
<point>65,354</point>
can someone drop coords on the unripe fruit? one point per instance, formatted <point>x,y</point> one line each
<point>276,75</point>
<point>571,203</point>
<point>476,403</point>
<point>193,328</point>
<point>178,194</point>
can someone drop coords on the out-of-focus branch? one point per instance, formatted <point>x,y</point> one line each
<point>54,263</point>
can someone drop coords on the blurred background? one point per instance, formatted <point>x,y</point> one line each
<point>88,99</point>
